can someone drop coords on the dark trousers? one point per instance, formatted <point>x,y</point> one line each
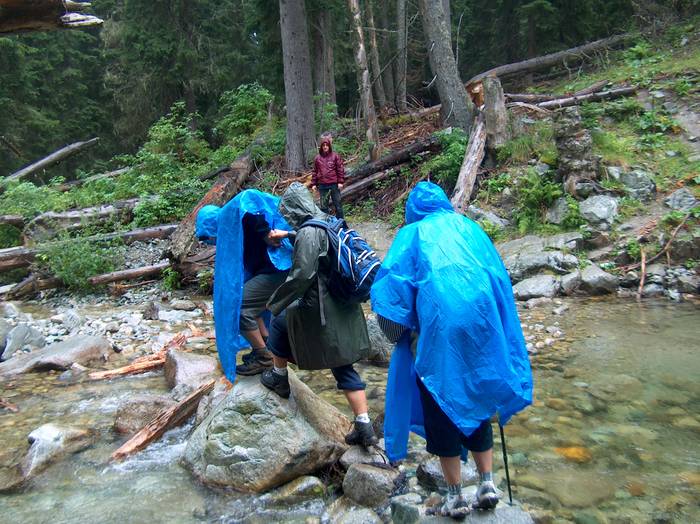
<point>328,192</point>
<point>346,377</point>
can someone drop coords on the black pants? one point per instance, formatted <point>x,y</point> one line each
<point>328,192</point>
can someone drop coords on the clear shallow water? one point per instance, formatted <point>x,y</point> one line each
<point>613,433</point>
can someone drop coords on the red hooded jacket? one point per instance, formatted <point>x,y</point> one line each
<point>328,168</point>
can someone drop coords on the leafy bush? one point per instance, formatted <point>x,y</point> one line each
<point>10,236</point>
<point>535,195</point>
<point>75,260</point>
<point>444,167</point>
<point>243,110</point>
<point>170,206</point>
<point>630,207</point>
<point>28,200</point>
<point>634,250</point>
<point>171,279</point>
<point>573,217</point>
<point>494,232</point>
<point>536,142</point>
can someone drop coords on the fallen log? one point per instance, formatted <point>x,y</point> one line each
<point>167,419</point>
<point>20,256</point>
<point>473,157</point>
<point>12,220</point>
<point>31,286</point>
<point>400,156</point>
<point>352,191</point>
<point>538,98</point>
<point>52,159</point>
<point>528,107</point>
<point>227,184</point>
<point>129,274</point>
<point>67,186</point>
<point>591,97</point>
<point>547,61</point>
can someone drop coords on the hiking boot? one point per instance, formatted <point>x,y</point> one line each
<point>277,383</point>
<point>454,507</point>
<point>486,496</point>
<point>362,435</point>
<point>254,363</point>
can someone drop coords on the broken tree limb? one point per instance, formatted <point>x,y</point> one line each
<point>167,419</point>
<point>52,159</point>
<point>538,98</point>
<point>547,61</point>
<point>591,97</point>
<point>495,114</point>
<point>16,257</point>
<point>352,191</point>
<point>431,143</point>
<point>227,184</point>
<point>67,186</point>
<point>473,157</point>
<point>31,286</point>
<point>12,220</point>
<point>129,274</point>
<point>528,107</point>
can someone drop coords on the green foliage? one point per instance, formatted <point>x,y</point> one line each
<point>638,52</point>
<point>10,236</point>
<point>634,250</point>
<point>537,142</point>
<point>691,264</point>
<point>535,195</point>
<point>243,111</point>
<point>75,260</point>
<point>170,279</point>
<point>28,200</point>
<point>496,184</point>
<point>573,218</point>
<point>629,207</point>
<point>494,232</point>
<point>205,281</point>
<point>682,87</point>
<point>171,205</point>
<point>443,168</point>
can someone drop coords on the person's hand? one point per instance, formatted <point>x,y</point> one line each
<point>340,186</point>
<point>275,237</point>
<point>314,189</point>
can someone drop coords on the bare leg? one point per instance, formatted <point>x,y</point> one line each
<point>484,460</point>
<point>451,469</point>
<point>262,327</point>
<point>254,338</point>
<point>357,400</point>
<point>279,362</point>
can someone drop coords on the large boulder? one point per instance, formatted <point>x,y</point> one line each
<point>598,282</point>
<point>253,440</point>
<point>50,442</point>
<point>682,199</point>
<point>557,213</point>
<point>346,511</point>
<point>369,485</point>
<point>429,474</point>
<point>5,328</point>
<point>188,371</point>
<point>523,265</point>
<point>477,214</point>
<point>139,410</point>
<point>638,184</point>
<point>599,210</point>
<point>539,286</point>
<point>381,347</point>
<point>22,335</point>
<point>571,241</point>
<point>81,350</point>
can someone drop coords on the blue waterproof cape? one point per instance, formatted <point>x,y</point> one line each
<point>443,279</point>
<point>225,226</point>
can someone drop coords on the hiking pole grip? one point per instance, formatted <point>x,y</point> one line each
<point>505,462</point>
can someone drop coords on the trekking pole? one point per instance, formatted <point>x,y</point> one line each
<point>505,461</point>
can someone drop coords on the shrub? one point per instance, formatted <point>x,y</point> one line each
<point>243,110</point>
<point>536,142</point>
<point>28,200</point>
<point>573,217</point>
<point>534,195</point>
<point>444,167</point>
<point>10,236</point>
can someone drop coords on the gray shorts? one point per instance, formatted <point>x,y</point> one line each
<point>256,292</point>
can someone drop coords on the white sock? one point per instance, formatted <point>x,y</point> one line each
<point>362,417</point>
<point>279,371</point>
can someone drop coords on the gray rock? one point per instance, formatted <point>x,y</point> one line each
<point>682,199</point>
<point>210,401</point>
<point>50,442</point>
<point>175,316</point>
<point>183,305</point>
<point>539,286</point>
<point>82,350</point>
<point>381,347</point>
<point>253,440</point>
<point>429,474</point>
<point>71,320</point>
<point>152,311</point>
<point>694,158</point>
<point>560,310</point>
<point>689,284</point>
<point>614,172</point>
<point>571,241</point>
<point>630,279</point>
<point>358,455</point>
<point>523,265</point>
<point>133,414</point>
<point>20,336</point>
<point>541,168</point>
<point>598,282</point>
<point>345,511</point>
<point>5,328</point>
<point>653,290</point>
<point>406,509</point>
<point>584,189</point>
<point>639,184</point>
<point>303,488</point>
<point>369,485</point>
<point>111,327</point>
<point>11,311</point>
<point>477,214</point>
<point>188,370</point>
<point>571,282</point>
<point>537,302</point>
<point>557,213</point>
<point>599,210</point>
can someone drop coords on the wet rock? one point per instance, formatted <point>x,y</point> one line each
<point>539,286</point>
<point>5,328</point>
<point>174,316</point>
<point>22,335</point>
<point>689,284</point>
<point>133,414</point>
<point>598,282</point>
<point>687,423</point>
<point>358,455</point>
<point>369,485</point>
<point>682,199</point>
<point>571,282</point>
<point>152,311</point>
<point>406,509</point>
<point>188,371</point>
<point>429,474</point>
<point>345,511</point>
<point>9,310</point>
<point>183,305</point>
<point>557,403</point>
<point>477,214</point>
<point>537,302</point>
<point>653,290</point>
<point>599,210</point>
<point>50,442</point>
<point>254,440</point>
<point>303,488</point>
<point>557,213</point>
<point>639,184</point>
<point>560,310</point>
<point>82,350</point>
<point>381,347</point>
<point>111,327</point>
<point>579,489</point>
<point>523,265</point>
<point>614,172</point>
<point>686,246</point>
<point>210,401</point>
<point>571,241</point>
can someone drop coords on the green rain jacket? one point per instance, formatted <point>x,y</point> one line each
<point>343,339</point>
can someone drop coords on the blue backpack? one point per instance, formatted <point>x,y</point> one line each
<point>354,264</point>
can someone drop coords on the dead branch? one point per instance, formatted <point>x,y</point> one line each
<point>52,159</point>
<point>591,97</point>
<point>473,156</point>
<point>129,274</point>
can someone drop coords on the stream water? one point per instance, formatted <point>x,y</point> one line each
<point>612,436</point>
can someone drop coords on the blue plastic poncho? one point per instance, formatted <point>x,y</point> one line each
<point>443,278</point>
<point>225,225</point>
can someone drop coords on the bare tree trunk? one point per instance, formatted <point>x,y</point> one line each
<point>364,83</point>
<point>448,18</point>
<point>495,115</point>
<point>374,56</point>
<point>386,54</point>
<point>402,55</point>
<point>298,90</point>
<point>457,108</point>
<point>324,67</point>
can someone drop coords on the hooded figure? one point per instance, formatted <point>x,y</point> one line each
<point>329,176</point>
<point>223,226</point>
<point>444,283</point>
<point>344,339</point>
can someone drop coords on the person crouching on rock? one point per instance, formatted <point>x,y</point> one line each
<point>310,327</point>
<point>443,294</point>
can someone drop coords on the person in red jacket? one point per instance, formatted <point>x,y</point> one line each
<point>329,176</point>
